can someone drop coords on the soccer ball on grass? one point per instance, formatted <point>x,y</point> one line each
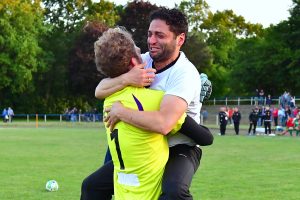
<point>51,186</point>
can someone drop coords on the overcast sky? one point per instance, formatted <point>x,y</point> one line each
<point>265,12</point>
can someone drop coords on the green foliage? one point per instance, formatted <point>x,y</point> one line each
<point>270,59</point>
<point>244,65</point>
<point>21,27</point>
<point>223,30</point>
<point>71,72</point>
<point>65,14</point>
<point>218,76</point>
<point>135,18</point>
<point>104,12</point>
<point>196,11</point>
<point>82,72</point>
<point>294,24</point>
<point>198,51</point>
<point>233,23</point>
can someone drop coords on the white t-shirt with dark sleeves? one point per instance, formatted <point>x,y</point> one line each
<point>183,80</point>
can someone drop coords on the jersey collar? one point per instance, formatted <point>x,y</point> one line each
<point>167,66</point>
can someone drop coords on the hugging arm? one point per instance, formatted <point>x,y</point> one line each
<point>137,76</point>
<point>200,134</point>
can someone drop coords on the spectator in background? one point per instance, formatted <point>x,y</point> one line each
<point>281,101</point>
<point>253,118</point>
<point>284,99</point>
<point>269,100</point>
<point>10,114</point>
<point>204,114</point>
<point>267,120</point>
<point>260,116</point>
<point>229,113</point>
<point>261,97</point>
<point>236,117</point>
<point>5,115</point>
<point>297,124</point>
<point>287,112</point>
<point>281,116</point>
<point>223,118</point>
<point>292,102</point>
<point>74,113</point>
<point>67,114</point>
<point>256,96</point>
<point>95,115</point>
<point>289,126</point>
<point>275,116</point>
<point>295,111</point>
<point>287,97</point>
<point>80,115</point>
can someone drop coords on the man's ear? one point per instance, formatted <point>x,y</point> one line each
<point>180,39</point>
<point>133,62</point>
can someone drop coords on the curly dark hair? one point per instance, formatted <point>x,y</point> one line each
<point>173,17</point>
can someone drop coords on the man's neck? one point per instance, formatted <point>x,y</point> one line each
<point>162,64</point>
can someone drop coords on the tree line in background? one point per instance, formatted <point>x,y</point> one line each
<point>47,57</point>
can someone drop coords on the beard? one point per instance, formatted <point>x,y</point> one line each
<point>166,51</point>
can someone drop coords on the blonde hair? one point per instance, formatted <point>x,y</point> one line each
<point>113,52</point>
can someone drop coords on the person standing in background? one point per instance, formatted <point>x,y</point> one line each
<point>253,118</point>
<point>275,116</point>
<point>287,113</point>
<point>5,115</point>
<point>256,97</point>
<point>236,118</point>
<point>267,120</point>
<point>223,118</point>
<point>269,100</point>
<point>281,116</point>
<point>229,113</point>
<point>261,97</point>
<point>289,126</point>
<point>204,114</point>
<point>292,102</point>
<point>297,124</point>
<point>10,114</point>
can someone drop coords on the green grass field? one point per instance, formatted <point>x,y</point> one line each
<point>233,168</point>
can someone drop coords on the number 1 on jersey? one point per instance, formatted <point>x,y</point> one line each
<point>114,135</point>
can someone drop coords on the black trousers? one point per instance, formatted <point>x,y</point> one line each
<point>254,127</point>
<point>223,128</point>
<point>276,121</point>
<point>183,162</point>
<point>236,127</point>
<point>267,127</point>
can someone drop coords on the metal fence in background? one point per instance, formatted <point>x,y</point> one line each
<point>243,101</point>
<point>91,117</point>
<point>58,117</point>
